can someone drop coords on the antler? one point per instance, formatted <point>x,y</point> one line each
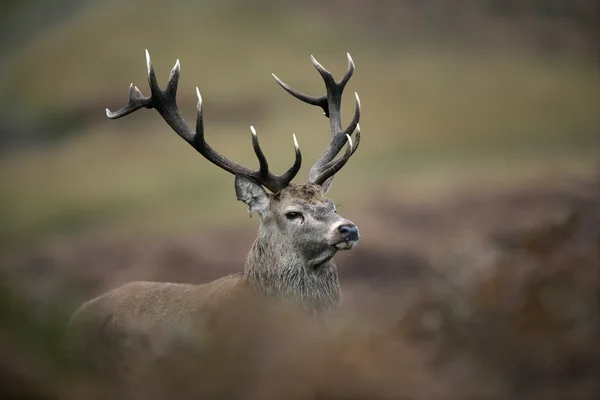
<point>325,167</point>
<point>164,101</point>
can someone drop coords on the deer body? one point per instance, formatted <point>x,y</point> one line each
<point>291,260</point>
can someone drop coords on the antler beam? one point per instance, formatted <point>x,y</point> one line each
<point>325,167</point>
<point>164,101</point>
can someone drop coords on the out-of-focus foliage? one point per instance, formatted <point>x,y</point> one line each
<point>433,107</point>
<point>506,311</point>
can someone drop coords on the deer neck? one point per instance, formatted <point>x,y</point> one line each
<point>274,269</point>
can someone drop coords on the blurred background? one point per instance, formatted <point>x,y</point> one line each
<point>476,186</point>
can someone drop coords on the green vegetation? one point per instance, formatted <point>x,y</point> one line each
<point>430,114</point>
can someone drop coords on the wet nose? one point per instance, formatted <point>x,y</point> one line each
<point>348,231</point>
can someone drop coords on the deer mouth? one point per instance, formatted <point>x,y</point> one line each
<point>345,244</point>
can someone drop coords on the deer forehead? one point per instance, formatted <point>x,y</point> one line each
<point>307,193</point>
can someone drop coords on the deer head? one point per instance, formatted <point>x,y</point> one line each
<point>300,229</point>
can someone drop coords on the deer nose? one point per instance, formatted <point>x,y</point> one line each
<point>348,231</point>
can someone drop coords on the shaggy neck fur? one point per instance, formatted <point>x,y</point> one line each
<point>274,268</point>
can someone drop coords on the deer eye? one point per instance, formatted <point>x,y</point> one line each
<point>293,215</point>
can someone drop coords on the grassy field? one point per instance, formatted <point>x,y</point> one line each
<point>432,116</point>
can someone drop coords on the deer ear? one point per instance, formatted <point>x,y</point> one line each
<point>251,193</point>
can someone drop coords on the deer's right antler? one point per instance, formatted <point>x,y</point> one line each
<point>164,101</point>
<point>325,167</point>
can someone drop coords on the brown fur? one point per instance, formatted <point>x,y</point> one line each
<point>289,261</point>
<point>307,192</point>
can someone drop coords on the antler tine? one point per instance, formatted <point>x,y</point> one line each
<point>293,171</point>
<point>164,101</point>
<point>349,72</point>
<point>355,118</point>
<point>173,81</point>
<point>356,138</point>
<point>320,101</point>
<point>136,101</point>
<point>331,104</point>
<point>334,166</point>
<point>263,169</point>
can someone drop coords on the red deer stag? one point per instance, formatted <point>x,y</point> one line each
<point>292,258</point>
